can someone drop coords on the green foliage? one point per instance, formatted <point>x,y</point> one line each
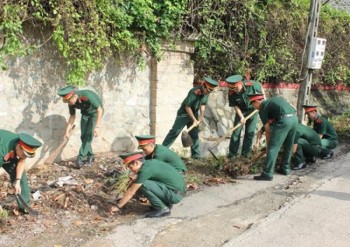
<point>87,32</point>
<point>3,214</point>
<point>266,37</point>
<point>342,124</point>
<point>11,26</point>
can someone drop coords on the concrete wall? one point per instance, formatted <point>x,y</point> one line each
<point>29,102</point>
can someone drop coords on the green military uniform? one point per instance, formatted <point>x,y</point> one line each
<point>283,121</point>
<point>195,99</point>
<point>88,102</point>
<point>309,144</point>
<point>241,100</point>
<point>330,138</point>
<point>9,159</point>
<point>166,155</point>
<point>162,184</point>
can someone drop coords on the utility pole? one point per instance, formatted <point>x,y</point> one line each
<point>305,86</point>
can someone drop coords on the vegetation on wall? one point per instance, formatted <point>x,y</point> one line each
<point>88,32</point>
<point>264,36</point>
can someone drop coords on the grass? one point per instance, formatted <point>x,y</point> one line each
<point>342,124</point>
<point>3,215</point>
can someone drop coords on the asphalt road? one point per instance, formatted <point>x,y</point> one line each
<point>306,208</point>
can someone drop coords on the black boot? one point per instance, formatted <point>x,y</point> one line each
<point>262,178</point>
<point>299,166</point>
<point>79,163</point>
<point>158,213</point>
<point>328,156</point>
<point>310,160</point>
<point>90,161</point>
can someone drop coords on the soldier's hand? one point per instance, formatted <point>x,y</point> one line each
<point>17,187</point>
<point>115,210</point>
<point>256,147</point>
<point>96,132</point>
<point>66,135</point>
<point>242,121</point>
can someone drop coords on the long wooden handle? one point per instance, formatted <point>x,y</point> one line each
<point>229,132</point>
<point>54,154</point>
<point>190,128</point>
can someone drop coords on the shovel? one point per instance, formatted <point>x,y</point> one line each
<point>186,138</point>
<point>228,133</point>
<point>26,207</point>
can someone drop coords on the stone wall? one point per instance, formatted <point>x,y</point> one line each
<point>29,102</point>
<point>332,100</point>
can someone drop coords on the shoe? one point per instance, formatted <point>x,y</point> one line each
<point>158,213</point>
<point>328,156</point>
<point>23,211</point>
<point>310,160</point>
<point>262,178</point>
<point>299,166</point>
<point>79,163</point>
<point>90,161</point>
<point>281,171</point>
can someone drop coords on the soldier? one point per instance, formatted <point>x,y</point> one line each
<point>280,121</point>
<point>91,109</point>
<point>161,184</point>
<point>160,152</point>
<point>195,101</point>
<point>239,101</point>
<point>325,129</point>
<point>14,149</point>
<point>307,145</point>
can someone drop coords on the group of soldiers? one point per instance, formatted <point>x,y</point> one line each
<point>159,172</point>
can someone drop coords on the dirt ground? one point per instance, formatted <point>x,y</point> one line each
<point>74,203</point>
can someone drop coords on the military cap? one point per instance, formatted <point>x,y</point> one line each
<point>128,157</point>
<point>66,92</point>
<point>309,108</point>
<point>29,144</point>
<point>256,96</point>
<point>145,139</point>
<point>233,79</point>
<point>210,83</point>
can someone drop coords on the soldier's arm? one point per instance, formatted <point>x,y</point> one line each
<point>69,125</point>
<point>129,194</point>
<point>98,120</point>
<point>267,134</point>
<point>191,115</point>
<point>201,113</point>
<point>240,114</point>
<point>19,173</point>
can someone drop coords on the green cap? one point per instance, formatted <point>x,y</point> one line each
<point>211,82</point>
<point>145,139</point>
<point>309,108</point>
<point>29,144</point>
<point>66,92</point>
<point>234,79</point>
<point>128,157</point>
